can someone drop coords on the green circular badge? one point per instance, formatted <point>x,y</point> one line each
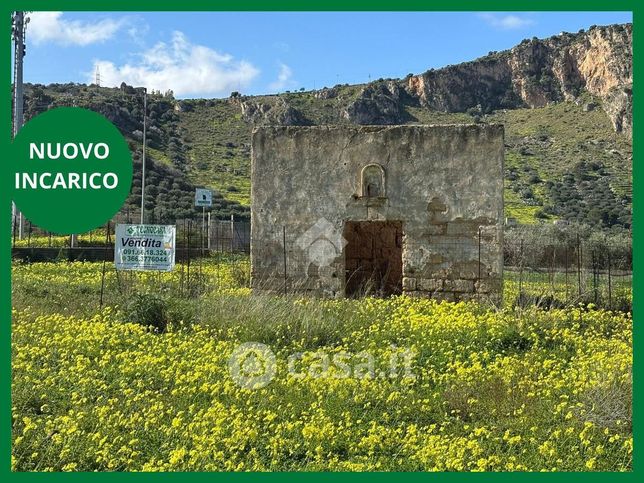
<point>72,170</point>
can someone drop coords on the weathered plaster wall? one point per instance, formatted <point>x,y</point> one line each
<point>442,183</point>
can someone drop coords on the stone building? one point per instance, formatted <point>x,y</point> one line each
<point>352,210</point>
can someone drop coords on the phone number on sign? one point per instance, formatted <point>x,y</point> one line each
<point>145,258</point>
<point>144,252</point>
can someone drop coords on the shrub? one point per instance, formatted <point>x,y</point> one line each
<point>149,310</point>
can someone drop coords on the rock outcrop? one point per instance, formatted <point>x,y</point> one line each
<point>618,104</point>
<point>378,103</point>
<point>538,72</point>
<point>277,113</point>
<point>535,73</point>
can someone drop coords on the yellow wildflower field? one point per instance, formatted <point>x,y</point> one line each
<point>482,389</point>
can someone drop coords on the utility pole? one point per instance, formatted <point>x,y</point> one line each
<point>145,122</point>
<point>18,33</point>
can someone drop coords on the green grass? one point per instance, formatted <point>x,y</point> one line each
<point>472,388</point>
<point>557,288</point>
<point>516,208</point>
<point>74,288</point>
<point>159,156</point>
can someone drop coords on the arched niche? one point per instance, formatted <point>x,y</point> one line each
<point>372,181</point>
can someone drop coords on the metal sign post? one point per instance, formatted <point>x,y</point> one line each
<point>203,228</point>
<point>203,198</point>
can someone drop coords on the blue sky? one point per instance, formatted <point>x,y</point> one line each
<point>210,54</point>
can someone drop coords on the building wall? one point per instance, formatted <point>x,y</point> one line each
<point>444,183</point>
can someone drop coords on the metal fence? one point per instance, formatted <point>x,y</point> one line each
<point>567,269</point>
<point>542,266</point>
<point>196,233</point>
<point>229,236</point>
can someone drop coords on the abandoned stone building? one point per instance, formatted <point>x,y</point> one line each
<point>352,210</point>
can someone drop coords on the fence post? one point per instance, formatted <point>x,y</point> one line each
<point>521,269</point>
<point>29,235</point>
<point>188,253</point>
<point>610,285</point>
<point>109,243</point>
<point>479,253</point>
<point>284,244</point>
<point>220,239</point>
<point>183,257</point>
<point>15,231</point>
<point>579,264</point>
<point>595,259</point>
<point>553,274</point>
<point>566,271</point>
<point>107,238</point>
<point>208,230</point>
<point>232,233</point>
<point>479,274</point>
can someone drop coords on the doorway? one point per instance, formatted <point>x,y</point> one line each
<point>373,258</point>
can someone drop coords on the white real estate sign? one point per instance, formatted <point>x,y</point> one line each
<point>203,197</point>
<point>145,247</point>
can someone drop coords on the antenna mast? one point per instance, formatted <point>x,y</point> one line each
<point>18,33</point>
<point>19,26</point>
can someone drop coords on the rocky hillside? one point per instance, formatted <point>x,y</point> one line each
<point>537,73</point>
<point>566,103</point>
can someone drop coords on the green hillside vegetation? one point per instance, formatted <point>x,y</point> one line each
<point>567,162</point>
<point>169,190</point>
<point>563,161</point>
<point>218,138</point>
<point>218,147</point>
<point>555,155</point>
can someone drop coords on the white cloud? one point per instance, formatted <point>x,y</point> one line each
<point>506,22</point>
<point>180,66</point>
<point>52,27</point>
<point>284,79</point>
<point>137,29</point>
